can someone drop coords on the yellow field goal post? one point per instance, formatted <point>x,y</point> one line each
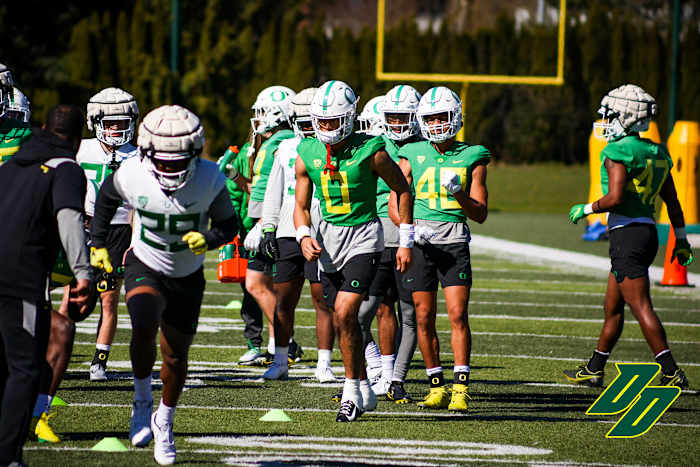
<point>465,79</point>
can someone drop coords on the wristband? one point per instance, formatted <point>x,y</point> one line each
<point>680,233</point>
<point>406,235</point>
<point>588,209</point>
<point>303,231</point>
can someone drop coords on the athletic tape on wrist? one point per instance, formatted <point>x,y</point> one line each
<point>303,231</point>
<point>406,235</point>
<point>588,209</point>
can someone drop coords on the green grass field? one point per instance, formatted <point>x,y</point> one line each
<point>528,323</point>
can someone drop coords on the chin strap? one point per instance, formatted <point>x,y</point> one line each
<point>329,163</point>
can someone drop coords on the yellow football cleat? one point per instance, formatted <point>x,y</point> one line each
<point>458,403</point>
<point>44,433</point>
<point>437,398</point>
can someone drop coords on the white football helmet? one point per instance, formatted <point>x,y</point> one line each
<point>6,83</point>
<point>301,117</point>
<point>626,109</point>
<point>435,101</point>
<point>116,106</point>
<point>272,107</point>
<point>370,119</point>
<point>334,100</point>
<point>401,100</point>
<point>171,139</point>
<point>19,106</point>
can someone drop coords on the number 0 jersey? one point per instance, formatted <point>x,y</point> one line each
<point>647,164</point>
<point>432,201</point>
<point>348,195</point>
<point>13,134</point>
<point>95,162</point>
<point>160,220</point>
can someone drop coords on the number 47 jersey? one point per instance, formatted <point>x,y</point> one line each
<point>161,219</point>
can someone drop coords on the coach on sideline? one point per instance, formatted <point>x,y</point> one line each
<point>41,209</point>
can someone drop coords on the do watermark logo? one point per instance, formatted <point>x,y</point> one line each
<point>630,393</point>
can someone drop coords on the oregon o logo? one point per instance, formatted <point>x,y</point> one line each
<point>462,275</point>
<point>435,380</point>
<point>102,356</point>
<point>349,96</point>
<point>355,283</point>
<point>277,96</point>
<point>462,377</point>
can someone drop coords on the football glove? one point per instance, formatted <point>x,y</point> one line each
<point>682,252</point>
<point>269,245</point>
<point>423,234</point>
<point>252,240</point>
<point>99,258</point>
<point>450,181</point>
<point>196,242</point>
<point>576,213</point>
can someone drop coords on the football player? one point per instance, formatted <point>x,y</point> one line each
<point>174,194</point>
<point>344,167</point>
<point>13,133</point>
<point>370,119</point>
<point>279,244</point>
<point>271,122</point>
<point>400,126</point>
<point>19,107</point>
<point>634,171</point>
<point>112,114</point>
<point>449,181</point>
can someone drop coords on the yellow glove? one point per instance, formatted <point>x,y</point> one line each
<point>99,258</point>
<point>196,242</point>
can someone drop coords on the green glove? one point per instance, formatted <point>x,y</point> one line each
<point>196,242</point>
<point>576,213</point>
<point>682,252</point>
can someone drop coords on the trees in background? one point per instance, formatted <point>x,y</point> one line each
<point>231,49</point>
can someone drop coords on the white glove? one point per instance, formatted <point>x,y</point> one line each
<point>253,239</point>
<point>450,181</point>
<point>423,234</point>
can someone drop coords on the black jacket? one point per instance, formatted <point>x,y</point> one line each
<point>33,189</point>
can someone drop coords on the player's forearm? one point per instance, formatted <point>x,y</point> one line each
<point>405,207</point>
<point>473,209</point>
<point>394,209</point>
<point>274,194</point>
<point>71,229</point>
<point>108,201</point>
<point>222,232</point>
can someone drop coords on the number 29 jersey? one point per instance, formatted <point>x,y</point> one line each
<point>160,220</point>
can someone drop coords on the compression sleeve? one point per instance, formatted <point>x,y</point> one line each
<point>224,221</point>
<point>274,195</point>
<point>108,200</point>
<point>72,232</point>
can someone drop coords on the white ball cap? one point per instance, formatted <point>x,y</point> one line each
<point>171,128</point>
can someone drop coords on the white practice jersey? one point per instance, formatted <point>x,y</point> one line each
<point>95,162</point>
<point>278,208</point>
<point>160,220</point>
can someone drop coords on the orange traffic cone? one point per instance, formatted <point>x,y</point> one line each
<point>674,273</point>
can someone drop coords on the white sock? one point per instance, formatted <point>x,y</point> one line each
<point>372,355</point>
<point>271,345</point>
<point>324,358</point>
<point>351,391</point>
<point>461,369</point>
<point>142,389</point>
<point>43,403</point>
<point>104,347</point>
<point>433,371</point>
<point>365,390</point>
<point>281,354</point>
<point>165,414</point>
<point>388,366</point>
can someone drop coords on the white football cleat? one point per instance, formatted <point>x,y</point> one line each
<point>276,372</point>
<point>374,374</point>
<point>324,374</point>
<point>369,399</point>
<point>349,412</point>
<point>381,387</point>
<point>98,372</point>
<point>140,427</point>
<point>164,442</point>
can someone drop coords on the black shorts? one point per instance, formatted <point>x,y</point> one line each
<point>632,250</point>
<point>118,241</point>
<point>290,264</point>
<point>183,295</point>
<point>449,264</point>
<point>257,261</point>
<point>356,276</point>
<point>388,282</point>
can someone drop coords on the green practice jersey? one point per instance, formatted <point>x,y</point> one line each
<point>239,198</point>
<point>647,164</point>
<point>383,189</point>
<point>13,134</point>
<point>432,200</point>
<point>263,163</point>
<point>347,195</point>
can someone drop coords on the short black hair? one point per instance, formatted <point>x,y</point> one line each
<point>66,120</point>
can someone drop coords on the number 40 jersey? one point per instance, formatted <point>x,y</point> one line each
<point>162,218</point>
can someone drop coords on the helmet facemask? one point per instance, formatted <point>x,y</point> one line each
<point>400,131</point>
<point>171,170</point>
<point>114,136</point>
<point>303,126</point>
<point>440,132</point>
<point>344,129</point>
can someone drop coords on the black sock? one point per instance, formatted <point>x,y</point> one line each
<point>437,380</point>
<point>100,357</point>
<point>667,362</point>
<point>597,361</point>
<point>462,377</point>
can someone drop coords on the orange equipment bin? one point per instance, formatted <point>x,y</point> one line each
<point>232,267</point>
